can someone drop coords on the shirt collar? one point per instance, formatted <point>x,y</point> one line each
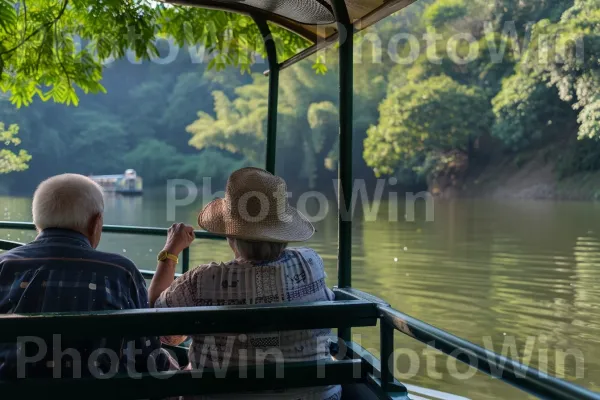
<point>59,233</point>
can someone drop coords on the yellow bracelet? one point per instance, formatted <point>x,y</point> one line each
<point>164,255</point>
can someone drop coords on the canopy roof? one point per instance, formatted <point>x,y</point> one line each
<point>311,19</point>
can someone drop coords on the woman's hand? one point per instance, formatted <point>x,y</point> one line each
<point>179,237</point>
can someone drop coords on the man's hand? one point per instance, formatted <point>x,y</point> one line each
<point>180,236</point>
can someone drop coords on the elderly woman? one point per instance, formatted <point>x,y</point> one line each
<point>259,223</point>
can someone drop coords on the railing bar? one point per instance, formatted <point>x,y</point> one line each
<point>9,245</point>
<point>147,274</point>
<point>355,294</point>
<point>373,366</point>
<point>140,230</point>
<point>386,332</point>
<point>185,261</point>
<point>191,320</point>
<point>515,373</point>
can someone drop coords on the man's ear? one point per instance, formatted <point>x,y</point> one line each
<point>95,229</point>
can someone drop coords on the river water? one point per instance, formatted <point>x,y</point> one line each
<point>497,273</point>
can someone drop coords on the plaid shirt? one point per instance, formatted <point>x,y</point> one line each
<point>298,276</point>
<point>61,272</point>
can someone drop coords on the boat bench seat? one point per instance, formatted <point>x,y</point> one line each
<point>205,320</point>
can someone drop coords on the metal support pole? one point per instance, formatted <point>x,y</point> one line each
<point>271,49</point>
<point>346,38</point>
<point>387,353</point>
<point>345,164</point>
<point>185,262</point>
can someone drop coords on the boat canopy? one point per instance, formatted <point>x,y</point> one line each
<point>315,20</point>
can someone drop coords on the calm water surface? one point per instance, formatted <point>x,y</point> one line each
<point>490,272</point>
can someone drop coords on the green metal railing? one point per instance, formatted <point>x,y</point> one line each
<point>523,377</point>
<point>135,230</point>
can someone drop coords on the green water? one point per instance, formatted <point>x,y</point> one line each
<point>526,270</point>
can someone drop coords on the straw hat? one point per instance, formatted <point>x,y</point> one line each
<point>255,207</point>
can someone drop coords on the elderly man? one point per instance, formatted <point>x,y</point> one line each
<point>61,270</point>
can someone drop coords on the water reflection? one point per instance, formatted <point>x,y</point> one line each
<point>123,208</point>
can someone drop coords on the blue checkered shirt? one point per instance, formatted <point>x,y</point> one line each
<point>61,272</point>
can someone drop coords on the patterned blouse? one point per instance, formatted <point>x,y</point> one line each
<point>297,276</point>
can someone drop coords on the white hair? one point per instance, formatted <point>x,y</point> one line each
<point>257,250</point>
<point>67,201</point>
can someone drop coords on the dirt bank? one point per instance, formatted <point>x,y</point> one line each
<point>526,176</point>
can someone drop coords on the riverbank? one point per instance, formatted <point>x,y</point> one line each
<point>532,175</point>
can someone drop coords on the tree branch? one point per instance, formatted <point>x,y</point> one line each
<point>35,32</point>
<point>25,20</point>
<point>58,50</point>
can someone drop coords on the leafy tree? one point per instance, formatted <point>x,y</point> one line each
<point>564,55</point>
<point>9,160</point>
<point>407,134</point>
<point>444,11</point>
<point>141,122</point>
<point>210,163</point>
<point>99,144</point>
<point>589,120</point>
<point>238,126</point>
<point>145,102</point>
<point>187,97</point>
<point>523,12</point>
<point>577,155</point>
<point>152,159</point>
<point>526,111</point>
<point>477,56</point>
<point>158,161</point>
<point>50,48</point>
<point>323,121</point>
<point>307,121</point>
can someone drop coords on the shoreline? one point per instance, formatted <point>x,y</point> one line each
<point>508,177</point>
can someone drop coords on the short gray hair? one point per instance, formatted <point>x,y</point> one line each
<point>67,201</point>
<point>257,251</point>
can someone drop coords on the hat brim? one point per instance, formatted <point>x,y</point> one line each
<point>296,227</point>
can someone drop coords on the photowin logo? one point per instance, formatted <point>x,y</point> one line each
<point>400,205</point>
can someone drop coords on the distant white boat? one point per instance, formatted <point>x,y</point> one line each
<point>128,183</point>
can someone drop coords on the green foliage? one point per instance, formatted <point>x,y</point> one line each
<point>523,12</point>
<point>407,133</point>
<point>320,143</point>
<point>51,48</point>
<point>495,61</point>
<point>589,120</point>
<point>565,55</point>
<point>158,161</point>
<point>9,160</point>
<point>444,11</point>
<point>439,163</point>
<point>101,141</point>
<point>528,92</point>
<point>526,110</point>
<point>578,155</point>
<point>153,159</point>
<point>237,127</point>
<point>307,123</point>
<point>210,163</point>
<point>146,103</point>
